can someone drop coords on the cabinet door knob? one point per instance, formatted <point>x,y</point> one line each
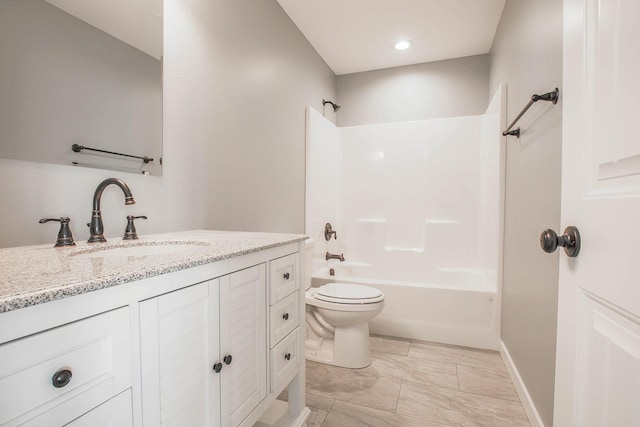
<point>286,276</point>
<point>217,368</point>
<point>61,378</point>
<point>287,356</point>
<point>227,359</point>
<point>285,316</point>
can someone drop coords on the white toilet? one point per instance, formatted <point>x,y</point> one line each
<point>337,316</point>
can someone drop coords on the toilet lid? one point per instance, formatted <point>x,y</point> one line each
<point>346,293</point>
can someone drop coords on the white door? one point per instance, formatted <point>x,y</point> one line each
<point>598,348</point>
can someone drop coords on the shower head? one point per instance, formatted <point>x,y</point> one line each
<point>335,106</point>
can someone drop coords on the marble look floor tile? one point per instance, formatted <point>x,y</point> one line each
<point>351,386</point>
<point>486,382</point>
<point>459,355</point>
<point>349,415</point>
<point>412,369</point>
<point>459,408</point>
<point>316,418</point>
<point>392,345</point>
<point>318,402</point>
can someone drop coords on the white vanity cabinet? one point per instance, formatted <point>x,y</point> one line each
<point>57,375</point>
<point>114,412</point>
<point>284,336</point>
<point>204,351</point>
<point>205,344</point>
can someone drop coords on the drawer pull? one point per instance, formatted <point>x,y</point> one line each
<point>285,316</point>
<point>217,367</point>
<point>287,356</point>
<point>227,359</point>
<point>61,378</point>
<point>286,276</point>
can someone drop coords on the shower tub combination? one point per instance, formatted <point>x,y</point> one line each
<point>418,207</point>
<point>461,308</point>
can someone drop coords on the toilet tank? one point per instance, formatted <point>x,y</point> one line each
<point>308,261</point>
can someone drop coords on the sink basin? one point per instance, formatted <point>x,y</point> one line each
<point>139,250</point>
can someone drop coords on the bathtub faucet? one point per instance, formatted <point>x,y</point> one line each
<point>329,256</point>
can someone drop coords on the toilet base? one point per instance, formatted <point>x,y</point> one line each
<point>349,347</point>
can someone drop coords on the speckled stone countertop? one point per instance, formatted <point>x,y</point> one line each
<point>33,275</point>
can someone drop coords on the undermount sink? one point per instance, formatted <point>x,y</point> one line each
<point>138,250</point>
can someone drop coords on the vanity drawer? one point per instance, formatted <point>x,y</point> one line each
<point>284,272</point>
<point>284,317</point>
<point>284,361</point>
<point>95,351</point>
<point>114,412</point>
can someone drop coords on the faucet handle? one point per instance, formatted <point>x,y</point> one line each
<point>328,231</point>
<point>130,232</point>
<point>64,235</point>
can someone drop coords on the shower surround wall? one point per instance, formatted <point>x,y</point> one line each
<point>418,210</point>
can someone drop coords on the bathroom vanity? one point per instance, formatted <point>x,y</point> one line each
<point>193,328</point>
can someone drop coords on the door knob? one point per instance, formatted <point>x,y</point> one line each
<point>570,241</point>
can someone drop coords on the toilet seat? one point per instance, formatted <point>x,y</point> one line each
<point>345,293</point>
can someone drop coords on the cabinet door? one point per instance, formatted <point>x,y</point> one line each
<point>243,327</point>
<point>179,342</point>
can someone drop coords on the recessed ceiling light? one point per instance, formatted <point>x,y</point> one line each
<point>402,45</point>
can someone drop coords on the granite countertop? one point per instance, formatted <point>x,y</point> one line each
<point>37,274</point>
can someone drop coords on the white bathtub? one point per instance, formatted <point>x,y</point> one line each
<point>461,307</point>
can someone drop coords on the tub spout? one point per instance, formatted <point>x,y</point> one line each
<point>329,256</point>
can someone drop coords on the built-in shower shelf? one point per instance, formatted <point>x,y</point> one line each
<point>472,271</point>
<point>403,249</point>
<point>373,220</point>
<point>440,221</point>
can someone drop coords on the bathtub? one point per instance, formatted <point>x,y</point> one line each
<point>458,306</point>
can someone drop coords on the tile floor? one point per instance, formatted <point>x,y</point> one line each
<point>415,383</point>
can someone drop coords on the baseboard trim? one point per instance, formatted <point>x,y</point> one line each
<point>521,389</point>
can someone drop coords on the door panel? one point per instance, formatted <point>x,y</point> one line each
<point>597,363</point>
<point>609,349</point>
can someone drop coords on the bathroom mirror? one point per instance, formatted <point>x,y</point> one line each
<point>83,72</point>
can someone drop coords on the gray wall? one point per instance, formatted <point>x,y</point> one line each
<point>64,82</point>
<point>527,55</point>
<point>265,73</point>
<point>456,87</point>
<point>237,78</point>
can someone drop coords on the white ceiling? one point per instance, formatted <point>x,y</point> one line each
<point>137,23</point>
<point>359,35</point>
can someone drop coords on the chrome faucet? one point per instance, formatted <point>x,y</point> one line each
<point>329,256</point>
<point>96,228</point>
